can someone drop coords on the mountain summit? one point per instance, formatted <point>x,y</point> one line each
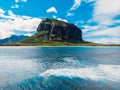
<point>52,31</point>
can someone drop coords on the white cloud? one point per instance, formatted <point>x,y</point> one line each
<point>76,4</point>
<point>112,40</point>
<point>12,22</point>
<point>107,29</point>
<point>10,13</point>
<point>28,34</point>
<point>88,28</point>
<point>62,19</point>
<point>54,16</point>
<point>113,31</point>
<point>2,11</point>
<point>70,14</point>
<point>26,25</point>
<point>16,1</point>
<point>5,30</point>
<point>105,11</point>
<point>111,8</point>
<point>24,0</point>
<point>106,34</point>
<point>15,6</point>
<point>52,9</point>
<point>74,7</point>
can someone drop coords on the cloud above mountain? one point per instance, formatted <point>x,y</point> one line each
<point>12,22</point>
<point>105,16</point>
<point>76,4</point>
<point>52,9</point>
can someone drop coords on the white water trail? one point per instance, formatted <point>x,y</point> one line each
<point>98,73</point>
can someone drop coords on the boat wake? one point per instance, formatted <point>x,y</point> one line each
<point>102,77</point>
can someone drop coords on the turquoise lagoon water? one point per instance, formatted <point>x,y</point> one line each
<point>59,68</point>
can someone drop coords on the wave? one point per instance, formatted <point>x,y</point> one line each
<point>101,72</point>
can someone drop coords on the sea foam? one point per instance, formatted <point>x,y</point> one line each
<point>100,72</point>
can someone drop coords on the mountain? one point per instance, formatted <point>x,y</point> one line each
<point>12,39</point>
<point>52,31</point>
<point>60,31</point>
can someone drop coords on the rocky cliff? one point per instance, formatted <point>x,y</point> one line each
<point>57,30</point>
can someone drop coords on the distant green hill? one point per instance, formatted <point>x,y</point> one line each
<point>12,39</point>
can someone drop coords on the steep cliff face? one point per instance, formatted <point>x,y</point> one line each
<point>57,30</point>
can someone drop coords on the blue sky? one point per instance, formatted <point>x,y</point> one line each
<point>98,19</point>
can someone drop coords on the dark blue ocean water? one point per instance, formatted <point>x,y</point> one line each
<point>59,68</point>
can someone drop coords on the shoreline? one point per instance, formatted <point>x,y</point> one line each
<point>62,46</point>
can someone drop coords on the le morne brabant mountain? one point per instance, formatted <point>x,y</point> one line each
<point>52,32</point>
<point>55,32</point>
<point>60,31</point>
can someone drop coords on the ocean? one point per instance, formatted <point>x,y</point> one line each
<point>60,68</point>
